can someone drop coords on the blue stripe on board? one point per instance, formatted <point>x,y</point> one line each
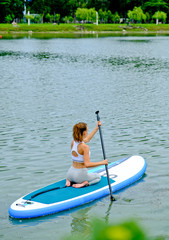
<point>65,193</point>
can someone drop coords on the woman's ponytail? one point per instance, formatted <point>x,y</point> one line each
<point>78,130</point>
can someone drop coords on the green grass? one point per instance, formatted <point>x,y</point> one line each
<point>48,27</point>
<point>37,27</point>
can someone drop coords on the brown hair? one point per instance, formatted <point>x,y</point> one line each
<point>78,130</point>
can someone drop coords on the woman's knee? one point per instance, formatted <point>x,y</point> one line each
<point>95,178</point>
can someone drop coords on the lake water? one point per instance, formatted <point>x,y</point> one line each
<point>46,86</point>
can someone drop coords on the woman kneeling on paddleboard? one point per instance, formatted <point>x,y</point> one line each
<point>78,172</point>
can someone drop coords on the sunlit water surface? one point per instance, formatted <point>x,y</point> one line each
<point>46,86</point>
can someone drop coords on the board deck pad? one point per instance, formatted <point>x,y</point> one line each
<point>63,193</point>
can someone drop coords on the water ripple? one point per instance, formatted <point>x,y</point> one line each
<point>48,86</point>
<point>139,63</point>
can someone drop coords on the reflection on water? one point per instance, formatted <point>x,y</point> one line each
<point>80,221</point>
<point>46,86</point>
<point>31,35</point>
<point>108,212</point>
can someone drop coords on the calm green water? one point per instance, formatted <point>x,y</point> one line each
<point>46,86</point>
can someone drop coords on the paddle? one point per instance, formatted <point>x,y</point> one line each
<point>104,156</point>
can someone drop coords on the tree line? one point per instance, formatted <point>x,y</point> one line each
<point>84,10</point>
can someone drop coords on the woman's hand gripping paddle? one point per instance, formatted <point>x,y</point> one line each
<point>104,156</point>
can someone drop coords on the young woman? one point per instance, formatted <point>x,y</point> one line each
<point>78,173</point>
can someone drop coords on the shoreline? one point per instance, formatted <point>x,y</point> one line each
<point>82,30</point>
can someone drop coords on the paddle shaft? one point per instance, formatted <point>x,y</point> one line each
<point>104,156</point>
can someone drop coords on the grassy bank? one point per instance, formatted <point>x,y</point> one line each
<point>71,28</point>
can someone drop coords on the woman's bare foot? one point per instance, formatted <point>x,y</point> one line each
<point>79,185</point>
<point>68,183</point>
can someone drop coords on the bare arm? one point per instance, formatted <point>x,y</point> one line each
<point>90,136</point>
<point>87,162</point>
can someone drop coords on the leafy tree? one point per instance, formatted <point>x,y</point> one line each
<point>4,9</point>
<point>59,7</point>
<point>43,7</point>
<point>147,16</point>
<point>160,16</point>
<point>14,8</point>
<point>72,5</point>
<point>105,16</point>
<point>101,15</point>
<point>105,8</point>
<point>37,18</point>
<point>57,17</point>
<point>92,15</point>
<point>29,16</point>
<point>137,14</point>
<point>82,14</point>
<point>122,6</point>
<point>155,5</point>
<point>49,17</point>
<point>109,16</point>
<point>68,19</point>
<point>39,6</point>
<point>9,18</point>
<point>116,18</point>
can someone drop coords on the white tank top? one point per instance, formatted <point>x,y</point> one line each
<point>79,158</point>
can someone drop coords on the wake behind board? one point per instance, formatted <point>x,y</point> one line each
<point>56,197</point>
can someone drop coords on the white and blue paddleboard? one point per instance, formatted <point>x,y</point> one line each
<point>56,197</point>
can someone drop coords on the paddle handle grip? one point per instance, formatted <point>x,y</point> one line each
<point>101,138</point>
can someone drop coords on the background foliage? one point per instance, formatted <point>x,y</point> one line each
<point>100,230</point>
<point>65,10</point>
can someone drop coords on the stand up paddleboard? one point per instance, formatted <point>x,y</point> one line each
<point>56,197</point>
